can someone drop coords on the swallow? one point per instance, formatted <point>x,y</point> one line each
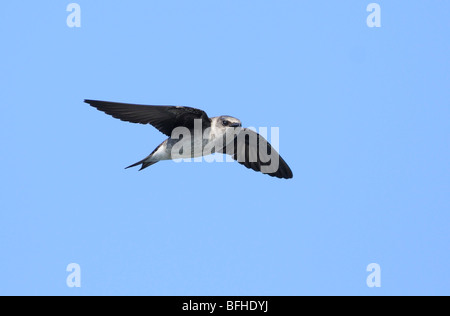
<point>220,134</point>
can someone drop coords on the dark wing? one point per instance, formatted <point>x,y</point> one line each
<point>255,152</point>
<point>165,118</point>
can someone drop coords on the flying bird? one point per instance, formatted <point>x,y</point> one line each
<point>221,134</point>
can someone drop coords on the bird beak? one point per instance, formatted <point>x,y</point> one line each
<point>235,125</point>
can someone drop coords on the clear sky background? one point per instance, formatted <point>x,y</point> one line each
<point>364,124</point>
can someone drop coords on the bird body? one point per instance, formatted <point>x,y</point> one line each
<point>193,134</point>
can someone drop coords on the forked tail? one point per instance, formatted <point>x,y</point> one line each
<point>145,163</point>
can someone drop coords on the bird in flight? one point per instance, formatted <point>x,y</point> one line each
<point>221,134</point>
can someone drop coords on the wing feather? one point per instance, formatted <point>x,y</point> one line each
<point>163,117</point>
<point>254,152</point>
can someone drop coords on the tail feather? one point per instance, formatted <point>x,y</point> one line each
<point>144,163</point>
<point>147,164</point>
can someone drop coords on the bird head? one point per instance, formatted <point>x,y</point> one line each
<point>226,125</point>
<point>225,121</point>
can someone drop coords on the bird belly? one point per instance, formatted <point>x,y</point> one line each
<point>186,148</point>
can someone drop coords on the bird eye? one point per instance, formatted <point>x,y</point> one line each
<point>225,122</point>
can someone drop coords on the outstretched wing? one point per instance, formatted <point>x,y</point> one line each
<point>255,152</point>
<point>165,118</point>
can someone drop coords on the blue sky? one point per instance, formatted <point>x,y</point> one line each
<point>364,124</point>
